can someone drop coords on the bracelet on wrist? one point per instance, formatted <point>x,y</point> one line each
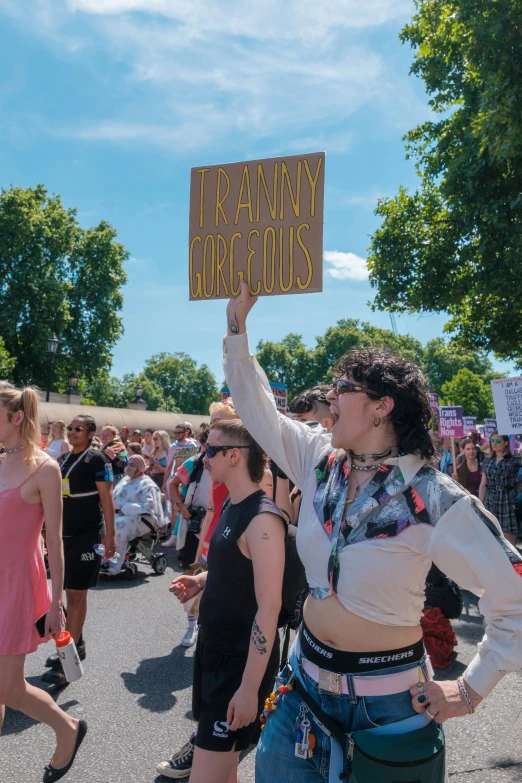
<point>466,698</point>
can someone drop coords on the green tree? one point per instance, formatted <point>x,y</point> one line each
<point>7,362</point>
<point>103,390</point>
<point>191,389</point>
<point>454,245</point>
<point>57,277</point>
<point>443,360</point>
<point>288,361</point>
<point>350,333</point>
<point>469,390</point>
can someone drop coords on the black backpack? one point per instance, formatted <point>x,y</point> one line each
<point>294,584</point>
<point>443,593</point>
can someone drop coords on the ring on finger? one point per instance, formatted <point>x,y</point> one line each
<point>422,698</point>
<point>420,687</point>
<point>430,713</point>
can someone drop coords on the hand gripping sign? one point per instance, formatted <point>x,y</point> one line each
<point>259,221</point>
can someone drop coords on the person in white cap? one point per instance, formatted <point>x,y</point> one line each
<point>135,496</point>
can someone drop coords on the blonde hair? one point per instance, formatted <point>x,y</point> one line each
<point>112,428</point>
<point>165,441</point>
<point>25,400</point>
<point>63,432</point>
<point>225,409</point>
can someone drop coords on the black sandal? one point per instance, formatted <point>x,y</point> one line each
<point>51,773</point>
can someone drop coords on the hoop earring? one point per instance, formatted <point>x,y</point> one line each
<point>376,421</point>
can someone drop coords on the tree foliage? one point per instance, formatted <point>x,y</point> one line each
<point>171,382</point>
<point>7,363</point>
<point>442,361</point>
<point>290,361</point>
<point>455,244</point>
<point>470,391</point>
<point>56,276</point>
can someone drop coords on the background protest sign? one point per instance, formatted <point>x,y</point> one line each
<point>451,421</point>
<point>279,390</point>
<point>507,397</point>
<point>490,426</point>
<point>434,402</point>
<point>470,424</point>
<point>259,221</point>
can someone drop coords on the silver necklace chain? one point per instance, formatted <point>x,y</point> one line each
<point>368,467</point>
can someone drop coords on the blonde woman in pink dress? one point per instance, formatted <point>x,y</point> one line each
<point>30,490</point>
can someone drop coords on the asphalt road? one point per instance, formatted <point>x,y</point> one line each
<point>136,697</point>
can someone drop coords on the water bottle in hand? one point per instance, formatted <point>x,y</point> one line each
<point>100,550</point>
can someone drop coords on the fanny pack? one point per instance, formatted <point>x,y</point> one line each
<point>415,757</point>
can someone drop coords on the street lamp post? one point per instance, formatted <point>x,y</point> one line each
<point>73,380</point>
<point>52,347</point>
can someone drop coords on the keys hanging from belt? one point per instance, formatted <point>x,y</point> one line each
<point>304,739</point>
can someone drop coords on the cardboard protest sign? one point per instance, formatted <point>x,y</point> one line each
<point>259,221</point>
<point>507,398</point>
<point>490,426</point>
<point>470,424</point>
<point>451,421</point>
<point>434,402</point>
<point>184,452</point>
<point>279,390</point>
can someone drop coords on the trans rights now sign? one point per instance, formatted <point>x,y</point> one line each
<point>451,421</point>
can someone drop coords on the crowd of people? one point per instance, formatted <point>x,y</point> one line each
<point>388,530</point>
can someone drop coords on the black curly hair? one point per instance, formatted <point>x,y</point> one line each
<point>386,374</point>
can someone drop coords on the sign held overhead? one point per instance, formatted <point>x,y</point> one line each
<point>260,221</point>
<point>507,398</point>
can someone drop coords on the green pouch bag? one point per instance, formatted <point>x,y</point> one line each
<point>415,757</point>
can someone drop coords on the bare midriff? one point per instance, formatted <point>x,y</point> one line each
<point>336,627</point>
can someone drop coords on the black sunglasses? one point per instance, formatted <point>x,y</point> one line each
<point>213,450</point>
<point>76,429</point>
<point>345,387</point>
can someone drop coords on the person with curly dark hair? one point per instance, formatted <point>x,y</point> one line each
<point>358,696</point>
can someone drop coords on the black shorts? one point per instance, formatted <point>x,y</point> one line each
<point>82,564</point>
<point>216,679</point>
<point>187,554</point>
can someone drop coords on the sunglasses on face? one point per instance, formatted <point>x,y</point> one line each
<point>495,440</point>
<point>76,429</point>
<point>213,450</point>
<point>345,387</point>
<point>179,432</point>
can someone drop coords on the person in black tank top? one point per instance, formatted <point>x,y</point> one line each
<point>237,652</point>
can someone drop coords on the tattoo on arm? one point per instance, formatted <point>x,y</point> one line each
<point>258,639</point>
<point>233,325</point>
<point>265,537</point>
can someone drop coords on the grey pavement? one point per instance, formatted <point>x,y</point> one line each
<point>136,697</point>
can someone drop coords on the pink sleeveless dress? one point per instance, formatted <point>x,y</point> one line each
<point>24,592</point>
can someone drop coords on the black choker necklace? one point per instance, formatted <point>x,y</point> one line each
<point>372,457</point>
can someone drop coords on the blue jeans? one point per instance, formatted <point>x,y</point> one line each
<point>276,760</point>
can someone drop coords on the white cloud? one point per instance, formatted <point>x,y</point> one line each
<point>345,266</point>
<point>202,71</point>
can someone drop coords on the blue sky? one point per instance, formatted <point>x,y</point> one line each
<point>110,103</point>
